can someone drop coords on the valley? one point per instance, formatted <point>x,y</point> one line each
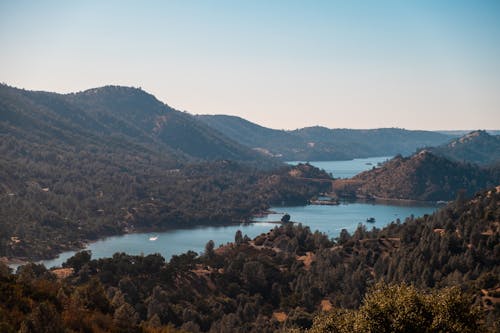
<point>155,211</point>
<point>250,166</point>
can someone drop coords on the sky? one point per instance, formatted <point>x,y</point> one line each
<point>423,64</point>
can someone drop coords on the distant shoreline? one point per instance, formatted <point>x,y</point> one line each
<point>397,200</point>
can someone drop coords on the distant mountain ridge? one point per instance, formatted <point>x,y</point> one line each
<point>478,147</point>
<point>321,143</point>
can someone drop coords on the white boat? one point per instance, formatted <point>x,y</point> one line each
<point>153,238</point>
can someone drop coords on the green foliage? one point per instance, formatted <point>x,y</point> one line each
<point>403,308</point>
<point>78,260</point>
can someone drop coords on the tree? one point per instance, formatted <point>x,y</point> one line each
<point>343,237</point>
<point>238,237</point>
<point>402,308</point>
<point>44,318</point>
<point>125,317</point>
<point>285,218</point>
<point>209,249</point>
<point>78,260</point>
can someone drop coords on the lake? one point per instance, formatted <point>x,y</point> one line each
<point>327,219</point>
<point>346,169</point>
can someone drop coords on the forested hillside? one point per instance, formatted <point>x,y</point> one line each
<point>422,176</point>
<point>275,142</point>
<point>110,160</point>
<point>321,143</point>
<point>113,116</point>
<point>283,279</point>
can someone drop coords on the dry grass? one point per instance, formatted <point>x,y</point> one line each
<point>63,273</point>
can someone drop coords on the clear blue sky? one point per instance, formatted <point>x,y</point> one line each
<point>283,64</point>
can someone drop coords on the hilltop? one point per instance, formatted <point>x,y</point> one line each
<point>478,147</point>
<point>422,176</point>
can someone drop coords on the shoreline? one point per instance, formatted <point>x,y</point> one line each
<point>397,200</point>
<point>15,262</point>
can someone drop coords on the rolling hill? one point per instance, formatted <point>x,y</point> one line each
<point>321,143</point>
<point>422,176</point>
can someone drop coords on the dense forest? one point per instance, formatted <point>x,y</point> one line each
<point>389,279</point>
<point>423,176</point>
<point>48,211</point>
<point>323,144</point>
<point>105,161</point>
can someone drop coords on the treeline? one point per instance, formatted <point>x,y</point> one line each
<point>285,278</point>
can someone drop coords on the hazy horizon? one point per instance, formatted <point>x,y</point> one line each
<point>285,64</point>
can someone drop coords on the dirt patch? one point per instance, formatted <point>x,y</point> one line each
<point>63,273</point>
<point>439,231</point>
<point>326,305</point>
<point>490,297</point>
<point>280,316</point>
<point>307,260</point>
<point>223,249</point>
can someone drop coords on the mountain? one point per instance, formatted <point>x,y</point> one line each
<point>478,147</point>
<point>108,113</point>
<point>321,143</point>
<point>111,160</point>
<point>422,176</point>
<point>372,142</point>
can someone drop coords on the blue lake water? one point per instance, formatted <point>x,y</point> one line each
<point>327,219</point>
<point>347,169</point>
<point>332,219</point>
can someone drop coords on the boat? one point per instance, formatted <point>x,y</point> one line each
<point>370,220</point>
<point>153,238</point>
